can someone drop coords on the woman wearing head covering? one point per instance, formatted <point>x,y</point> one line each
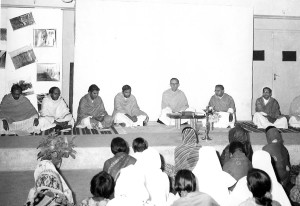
<point>259,183</point>
<point>49,187</point>
<point>238,134</point>
<point>121,158</point>
<point>185,185</point>
<point>212,180</point>
<point>279,155</point>
<point>156,181</point>
<point>187,153</point>
<point>261,160</point>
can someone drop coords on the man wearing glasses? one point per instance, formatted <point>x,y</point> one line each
<point>173,100</point>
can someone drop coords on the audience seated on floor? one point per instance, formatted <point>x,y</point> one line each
<point>238,165</point>
<point>102,189</point>
<point>55,112</point>
<point>261,160</point>
<point>238,134</point>
<point>185,186</point>
<point>294,119</point>
<point>212,180</point>
<point>121,159</point>
<point>139,145</point>
<point>17,114</point>
<point>49,187</point>
<point>267,112</point>
<point>91,111</point>
<point>224,105</point>
<point>173,101</point>
<point>127,111</point>
<point>259,184</point>
<point>187,153</point>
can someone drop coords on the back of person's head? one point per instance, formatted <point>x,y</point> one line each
<point>93,87</point>
<point>189,135</point>
<point>126,87</point>
<point>259,184</point>
<point>185,180</point>
<point>16,87</point>
<point>236,146</point>
<point>102,185</point>
<point>139,144</point>
<point>118,144</point>
<point>273,135</point>
<point>238,133</point>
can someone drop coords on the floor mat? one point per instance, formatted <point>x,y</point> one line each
<point>250,127</point>
<point>76,131</point>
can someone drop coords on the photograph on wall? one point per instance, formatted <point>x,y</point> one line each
<point>2,59</point>
<point>3,34</point>
<point>48,72</point>
<point>40,98</point>
<point>22,21</point>
<point>23,56</point>
<point>24,83</point>
<point>44,37</point>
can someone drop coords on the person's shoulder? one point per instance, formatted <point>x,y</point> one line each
<point>167,91</point>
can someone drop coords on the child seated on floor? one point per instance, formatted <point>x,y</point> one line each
<point>139,144</point>
<point>102,188</point>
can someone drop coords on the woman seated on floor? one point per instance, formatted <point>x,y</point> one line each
<point>121,158</point>
<point>102,188</point>
<point>185,185</point>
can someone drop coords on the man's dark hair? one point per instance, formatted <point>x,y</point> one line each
<point>175,79</point>
<point>126,87</point>
<point>16,87</point>
<point>102,185</point>
<point>139,144</point>
<point>93,87</point>
<point>270,90</point>
<point>220,86</point>
<point>51,90</point>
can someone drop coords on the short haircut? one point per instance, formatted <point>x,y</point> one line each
<point>93,87</point>
<point>259,183</point>
<point>235,146</point>
<point>102,185</point>
<point>139,144</point>
<point>175,79</point>
<point>185,180</point>
<point>51,90</point>
<point>126,87</point>
<point>220,86</point>
<point>270,90</point>
<point>118,144</point>
<point>16,87</point>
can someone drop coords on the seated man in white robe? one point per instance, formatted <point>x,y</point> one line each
<point>267,112</point>
<point>126,110</point>
<point>294,120</point>
<point>173,101</point>
<point>224,105</point>
<point>55,111</point>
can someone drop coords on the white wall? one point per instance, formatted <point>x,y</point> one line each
<point>144,44</point>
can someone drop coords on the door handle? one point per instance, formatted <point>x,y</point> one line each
<point>275,75</point>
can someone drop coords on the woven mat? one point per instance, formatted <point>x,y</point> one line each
<point>250,127</point>
<point>76,131</point>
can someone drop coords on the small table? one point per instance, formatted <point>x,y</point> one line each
<point>191,116</point>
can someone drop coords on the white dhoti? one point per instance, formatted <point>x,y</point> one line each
<point>48,122</point>
<point>167,120</point>
<point>262,122</point>
<point>294,121</point>
<point>86,122</point>
<point>24,127</point>
<point>122,118</point>
<point>223,121</point>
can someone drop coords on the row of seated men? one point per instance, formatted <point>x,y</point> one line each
<point>200,177</point>
<point>17,113</point>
